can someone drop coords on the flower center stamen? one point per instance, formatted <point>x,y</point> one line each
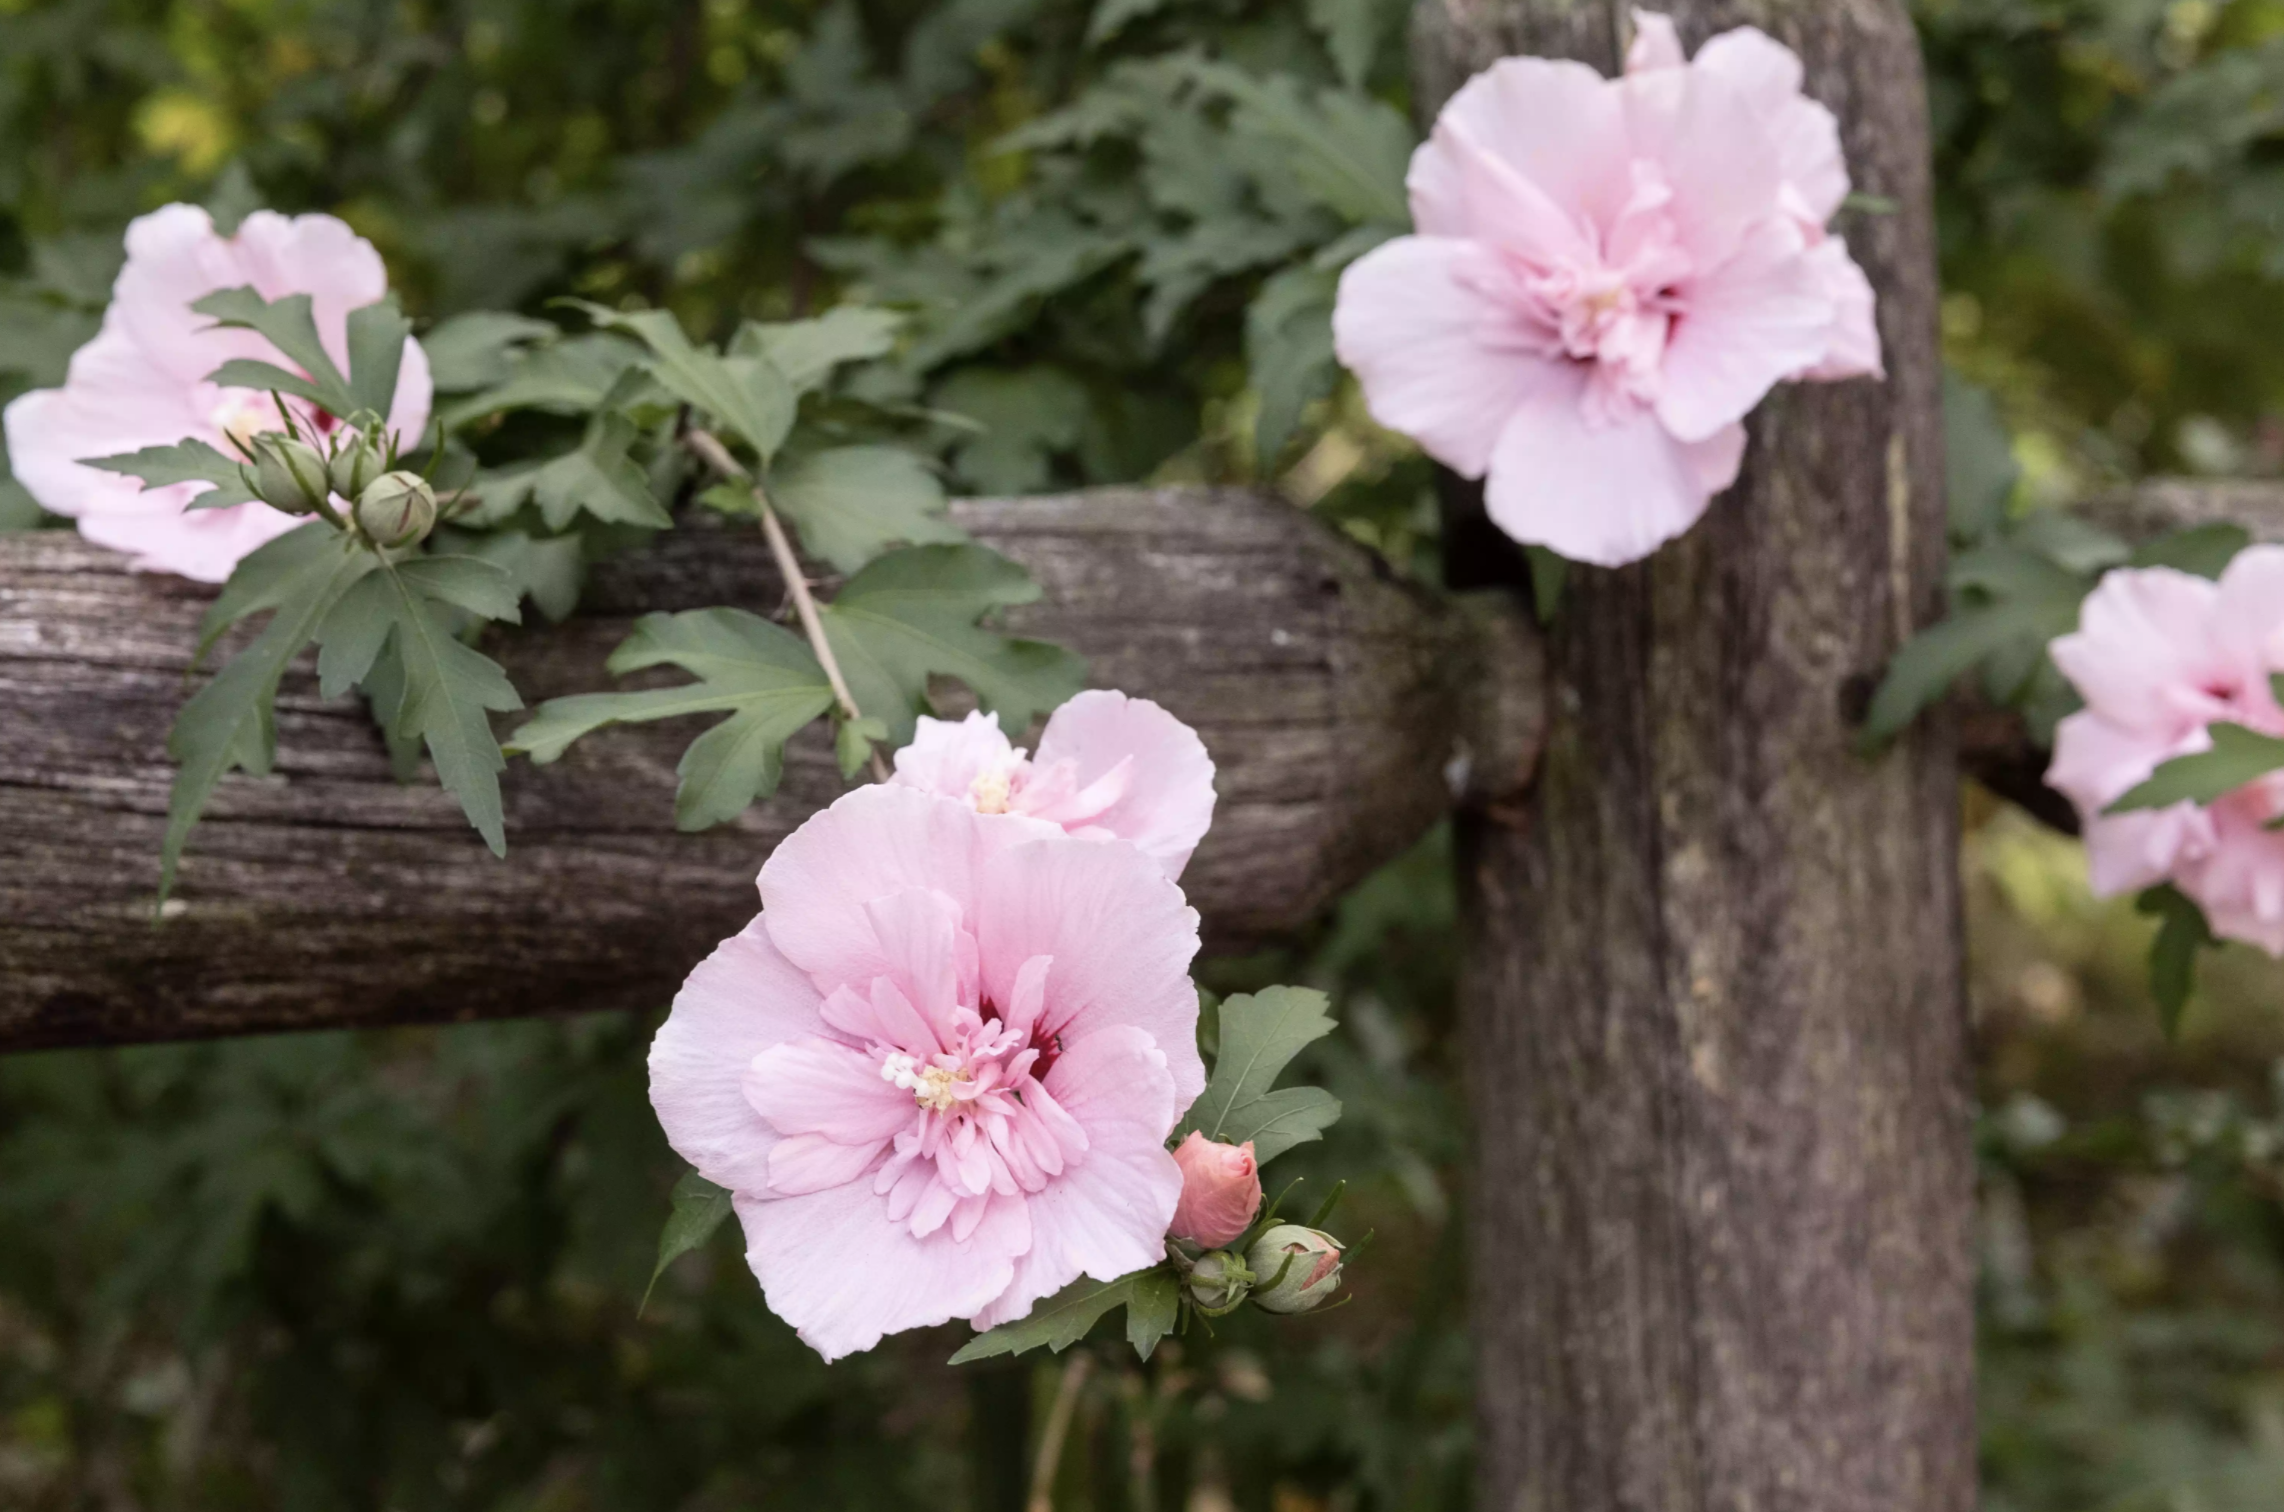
<point>931,1086</point>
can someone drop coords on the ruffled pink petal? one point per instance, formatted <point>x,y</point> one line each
<point>742,1000</point>
<point>2241,886</point>
<point>1806,135</point>
<point>1121,936</point>
<point>1503,208</point>
<point>1604,494</point>
<point>1558,124</point>
<point>1167,804</point>
<point>2128,852</point>
<point>832,1264</point>
<point>1852,347</point>
<point>871,843</point>
<point>820,1086</point>
<point>1437,359</point>
<point>1747,325</point>
<point>1106,1215</point>
<point>2143,648</point>
<point>920,931</point>
<point>1715,154</point>
<point>2096,759</point>
<point>2248,616</point>
<point>1656,44</point>
<point>805,1163</point>
<point>946,756</point>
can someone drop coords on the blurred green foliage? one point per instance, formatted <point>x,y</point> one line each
<point>400,1270</point>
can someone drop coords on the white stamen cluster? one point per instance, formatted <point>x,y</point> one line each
<point>930,1086</point>
<point>991,790</point>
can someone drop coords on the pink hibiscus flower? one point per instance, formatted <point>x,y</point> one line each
<point>939,1071</point>
<point>1109,768</point>
<point>142,382</point>
<point>1607,275</point>
<point>2159,656</point>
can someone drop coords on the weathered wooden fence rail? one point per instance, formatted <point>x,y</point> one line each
<point>1341,706</point>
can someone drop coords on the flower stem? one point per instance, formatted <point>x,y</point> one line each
<point>1058,1429</point>
<point>709,449</point>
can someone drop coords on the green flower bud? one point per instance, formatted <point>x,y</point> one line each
<point>354,467</point>
<point>1299,1268</point>
<point>1218,1282</point>
<point>289,475</point>
<point>396,509</point>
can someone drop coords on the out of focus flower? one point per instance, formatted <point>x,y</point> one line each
<point>1607,276</point>
<point>938,1072</point>
<point>143,382</point>
<point>1109,768</point>
<point>1221,1191</point>
<point>2160,656</point>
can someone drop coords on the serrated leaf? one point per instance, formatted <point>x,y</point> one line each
<point>1260,1034</point>
<point>852,503</point>
<point>853,741</point>
<point>351,638</point>
<point>1349,151</point>
<point>377,334</point>
<point>1056,1323</point>
<point>2181,932</point>
<point>598,478</point>
<point>1152,1310</point>
<point>2205,550</point>
<point>761,675</point>
<point>746,395</point>
<point>448,688</point>
<point>1930,662</point>
<point>699,1209</point>
<point>289,325</point>
<point>2237,756</point>
<point>186,461</point>
<point>913,613</point>
<point>482,588</point>
<point>479,348</point>
<point>807,351</point>
<point>549,570</point>
<point>569,377</point>
<point>231,722</point>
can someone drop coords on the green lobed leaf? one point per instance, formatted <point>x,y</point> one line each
<point>1056,1323</point>
<point>747,395</point>
<point>914,613</point>
<point>763,676</point>
<point>2205,550</point>
<point>599,478</point>
<point>289,325</point>
<point>698,1209</point>
<point>807,351</point>
<point>2237,756</point>
<point>377,334</point>
<point>2181,932</point>
<point>186,461</point>
<point>852,503</point>
<point>479,349</point>
<point>549,570</point>
<point>449,687</point>
<point>569,377</point>
<point>1260,1034</point>
<point>231,722</point>
<point>1152,1310</point>
<point>1923,671</point>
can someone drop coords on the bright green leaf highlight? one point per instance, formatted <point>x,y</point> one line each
<point>1260,1034</point>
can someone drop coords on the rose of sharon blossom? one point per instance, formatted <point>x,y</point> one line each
<point>1109,767</point>
<point>938,1072</point>
<point>2159,656</point>
<point>1221,1190</point>
<point>142,382</point>
<point>1607,275</point>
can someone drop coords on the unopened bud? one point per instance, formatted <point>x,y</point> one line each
<point>1218,1282</point>
<point>396,509</point>
<point>1299,1268</point>
<point>289,475</point>
<point>1221,1190</point>
<point>353,468</point>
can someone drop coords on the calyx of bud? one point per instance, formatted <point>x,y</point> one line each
<point>396,509</point>
<point>353,468</point>
<point>289,475</point>
<point>1218,1281</point>
<point>1298,1268</point>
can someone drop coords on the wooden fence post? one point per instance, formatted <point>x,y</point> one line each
<point>1713,995</point>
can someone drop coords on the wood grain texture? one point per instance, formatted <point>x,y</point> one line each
<point>1337,702</point>
<point>1713,987</point>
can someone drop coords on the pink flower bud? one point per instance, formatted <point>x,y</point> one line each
<point>1221,1190</point>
